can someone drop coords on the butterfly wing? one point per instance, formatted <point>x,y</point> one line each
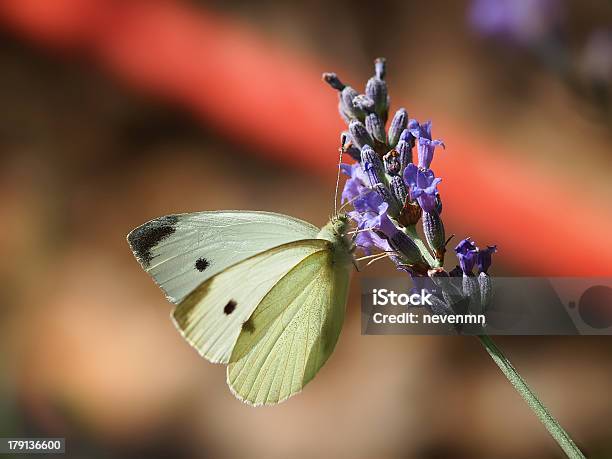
<point>182,251</point>
<point>212,316</point>
<point>292,332</point>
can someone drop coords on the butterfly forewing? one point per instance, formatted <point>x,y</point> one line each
<point>182,251</point>
<point>213,315</point>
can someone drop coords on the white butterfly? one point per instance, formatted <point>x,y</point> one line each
<point>262,292</point>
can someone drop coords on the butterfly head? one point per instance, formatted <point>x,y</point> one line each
<point>336,232</point>
<point>340,224</point>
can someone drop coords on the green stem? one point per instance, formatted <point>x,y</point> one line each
<point>556,431</point>
<point>412,233</point>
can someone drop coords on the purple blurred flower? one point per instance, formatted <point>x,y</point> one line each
<point>523,22</point>
<point>422,185</point>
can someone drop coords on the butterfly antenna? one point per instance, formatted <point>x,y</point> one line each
<point>342,142</point>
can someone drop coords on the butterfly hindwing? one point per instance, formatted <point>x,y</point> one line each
<point>181,251</point>
<point>293,332</point>
<point>212,316</point>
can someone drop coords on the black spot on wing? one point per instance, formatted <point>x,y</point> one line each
<point>201,264</point>
<point>229,307</point>
<point>149,235</point>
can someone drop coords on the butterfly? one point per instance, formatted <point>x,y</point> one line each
<point>261,292</point>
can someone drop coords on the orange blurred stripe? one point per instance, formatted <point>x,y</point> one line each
<point>232,77</point>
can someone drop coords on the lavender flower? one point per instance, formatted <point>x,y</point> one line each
<point>484,258</point>
<point>390,194</point>
<point>356,184</point>
<point>422,185</point>
<point>425,150</point>
<point>466,254</point>
<point>465,245</point>
<point>426,146</point>
<point>467,261</point>
<point>379,228</point>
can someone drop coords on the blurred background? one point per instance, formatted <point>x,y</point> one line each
<point>115,112</point>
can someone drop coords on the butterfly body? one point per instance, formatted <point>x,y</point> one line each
<point>261,292</point>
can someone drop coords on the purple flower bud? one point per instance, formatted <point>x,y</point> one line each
<point>484,258</point>
<point>380,67</point>
<point>364,103</point>
<point>398,189</point>
<point>393,205</point>
<point>422,185</point>
<point>398,240</point>
<point>398,125</point>
<point>333,80</point>
<point>433,228</point>
<point>346,97</point>
<point>375,127</point>
<point>393,165</point>
<point>359,134</point>
<point>372,165</point>
<point>376,89</point>
<point>405,153</point>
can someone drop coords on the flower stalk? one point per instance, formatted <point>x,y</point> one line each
<point>552,425</point>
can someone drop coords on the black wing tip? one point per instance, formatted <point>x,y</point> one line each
<point>144,238</point>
